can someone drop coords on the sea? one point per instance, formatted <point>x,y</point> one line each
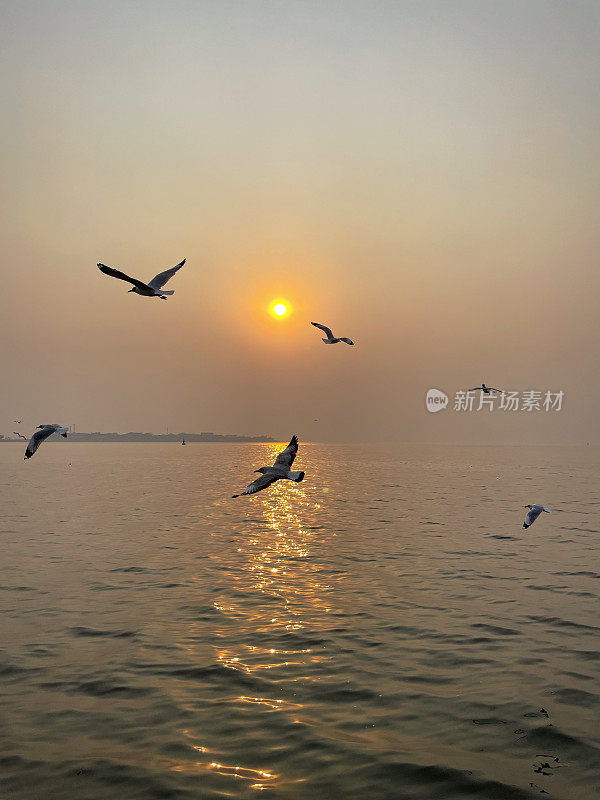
<point>384,630</point>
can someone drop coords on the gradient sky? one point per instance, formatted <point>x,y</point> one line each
<point>422,176</point>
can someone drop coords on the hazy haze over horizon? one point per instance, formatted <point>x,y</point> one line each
<point>421,176</point>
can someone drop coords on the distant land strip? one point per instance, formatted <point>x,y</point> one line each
<point>156,437</point>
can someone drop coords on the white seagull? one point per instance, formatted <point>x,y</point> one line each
<point>17,421</point>
<point>20,435</point>
<point>331,339</point>
<point>485,389</point>
<point>43,432</point>
<point>151,289</point>
<point>533,513</point>
<point>280,469</point>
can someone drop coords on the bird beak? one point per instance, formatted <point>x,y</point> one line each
<point>256,470</point>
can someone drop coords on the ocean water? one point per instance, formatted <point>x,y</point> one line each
<point>385,629</point>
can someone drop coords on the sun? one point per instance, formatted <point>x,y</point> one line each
<point>280,308</point>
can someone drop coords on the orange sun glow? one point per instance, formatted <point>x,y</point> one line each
<point>280,308</point>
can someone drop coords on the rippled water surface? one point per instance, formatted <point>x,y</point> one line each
<point>385,629</point>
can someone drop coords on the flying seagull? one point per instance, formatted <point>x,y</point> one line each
<point>20,435</point>
<point>17,421</point>
<point>280,469</point>
<point>43,432</point>
<point>151,289</point>
<point>533,513</point>
<point>331,339</point>
<point>485,389</point>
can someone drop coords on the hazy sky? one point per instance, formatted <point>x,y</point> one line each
<point>423,176</point>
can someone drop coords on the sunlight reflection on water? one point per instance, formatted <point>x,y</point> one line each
<point>158,640</point>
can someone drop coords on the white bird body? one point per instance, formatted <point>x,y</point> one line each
<point>290,475</point>
<point>279,471</point>
<point>331,339</point>
<point>151,293</point>
<point>151,289</point>
<point>534,511</point>
<point>43,432</point>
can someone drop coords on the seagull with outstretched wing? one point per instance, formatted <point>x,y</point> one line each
<point>43,432</point>
<point>20,435</point>
<point>331,339</point>
<point>151,289</point>
<point>485,389</point>
<point>280,470</point>
<point>534,511</point>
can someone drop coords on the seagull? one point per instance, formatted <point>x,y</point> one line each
<point>485,389</point>
<point>40,435</point>
<point>533,513</point>
<point>151,289</point>
<point>20,435</point>
<point>280,469</point>
<point>331,339</point>
<point>17,421</point>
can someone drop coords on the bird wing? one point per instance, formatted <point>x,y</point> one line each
<point>115,273</point>
<point>20,435</point>
<point>345,339</point>
<point>532,515</point>
<point>475,388</point>
<point>285,459</point>
<point>36,440</point>
<point>491,388</point>
<point>58,428</point>
<point>325,329</point>
<point>259,484</point>
<point>159,281</point>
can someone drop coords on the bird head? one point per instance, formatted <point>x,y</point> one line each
<point>131,290</point>
<point>528,506</point>
<point>261,469</point>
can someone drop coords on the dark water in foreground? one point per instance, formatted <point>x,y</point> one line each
<point>385,629</point>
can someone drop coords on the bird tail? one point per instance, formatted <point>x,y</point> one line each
<point>525,525</point>
<point>296,476</point>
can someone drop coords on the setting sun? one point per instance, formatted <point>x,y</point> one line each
<point>280,308</point>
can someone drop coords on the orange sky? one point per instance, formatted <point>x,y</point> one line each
<point>422,176</point>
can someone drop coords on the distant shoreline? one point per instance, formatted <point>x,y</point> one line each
<point>165,438</point>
